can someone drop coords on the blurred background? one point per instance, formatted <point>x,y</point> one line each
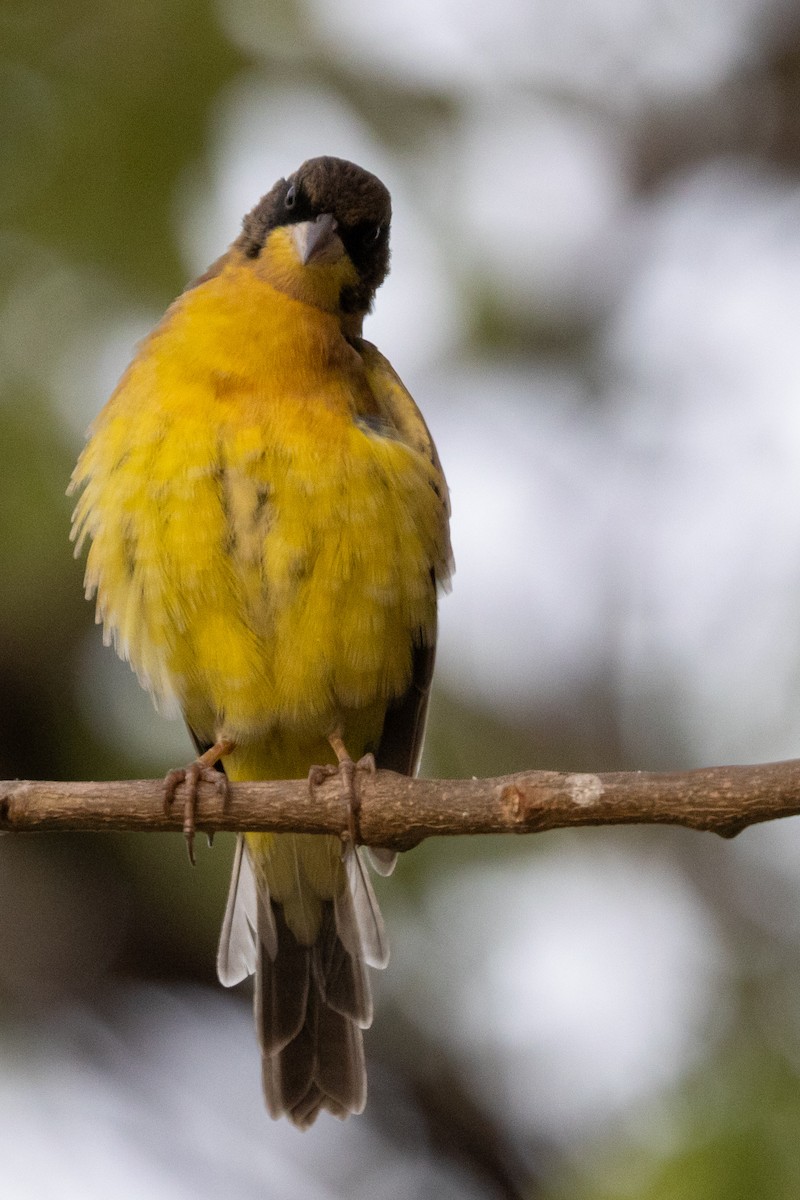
<point>595,298</point>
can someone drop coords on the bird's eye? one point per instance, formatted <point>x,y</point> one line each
<point>372,234</point>
<point>290,198</point>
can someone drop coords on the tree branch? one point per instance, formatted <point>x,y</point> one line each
<point>398,812</point>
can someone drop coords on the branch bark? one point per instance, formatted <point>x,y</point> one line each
<point>398,812</point>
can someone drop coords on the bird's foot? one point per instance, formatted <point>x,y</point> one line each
<point>202,769</point>
<point>347,771</point>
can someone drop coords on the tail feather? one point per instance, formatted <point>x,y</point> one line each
<point>339,974</point>
<point>311,1001</point>
<point>325,991</point>
<point>341,1073</point>
<point>283,983</point>
<point>288,1074</point>
<point>323,1067</point>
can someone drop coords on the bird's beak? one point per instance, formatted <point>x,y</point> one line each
<point>317,241</point>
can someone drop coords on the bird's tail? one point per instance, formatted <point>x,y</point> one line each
<point>302,916</point>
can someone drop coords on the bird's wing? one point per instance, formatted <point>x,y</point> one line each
<point>396,402</point>
<point>400,745</point>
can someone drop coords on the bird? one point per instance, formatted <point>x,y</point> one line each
<point>268,530</point>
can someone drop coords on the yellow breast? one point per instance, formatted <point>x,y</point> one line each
<point>258,551</point>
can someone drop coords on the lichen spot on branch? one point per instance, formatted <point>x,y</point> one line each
<point>584,789</point>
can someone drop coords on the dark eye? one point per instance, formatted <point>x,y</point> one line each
<point>290,197</point>
<point>372,234</point>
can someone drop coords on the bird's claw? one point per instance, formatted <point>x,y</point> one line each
<point>191,776</point>
<point>347,771</point>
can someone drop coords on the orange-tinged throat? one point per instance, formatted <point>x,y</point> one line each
<point>318,282</point>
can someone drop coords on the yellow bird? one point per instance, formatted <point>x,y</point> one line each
<point>268,523</point>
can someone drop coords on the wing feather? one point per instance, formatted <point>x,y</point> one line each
<point>400,745</point>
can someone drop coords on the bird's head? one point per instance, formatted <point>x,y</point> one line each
<point>322,236</point>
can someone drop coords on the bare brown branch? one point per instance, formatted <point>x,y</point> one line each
<point>398,812</point>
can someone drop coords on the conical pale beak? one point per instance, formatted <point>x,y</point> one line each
<point>317,241</point>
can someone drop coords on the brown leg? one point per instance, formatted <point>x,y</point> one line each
<point>201,768</point>
<point>346,771</point>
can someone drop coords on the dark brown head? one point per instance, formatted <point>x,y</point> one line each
<point>329,204</point>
